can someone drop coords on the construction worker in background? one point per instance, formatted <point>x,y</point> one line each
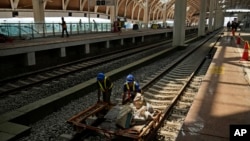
<point>130,88</point>
<point>119,26</point>
<point>64,28</point>
<point>105,86</point>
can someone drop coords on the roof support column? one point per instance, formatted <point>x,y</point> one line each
<point>14,4</point>
<point>165,16</point>
<point>179,22</point>
<point>112,14</point>
<point>211,16</point>
<point>38,11</point>
<point>145,17</point>
<point>215,16</point>
<point>218,16</point>
<point>201,25</point>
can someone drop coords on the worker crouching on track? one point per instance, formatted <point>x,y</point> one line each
<point>142,110</point>
<point>130,88</point>
<point>105,86</point>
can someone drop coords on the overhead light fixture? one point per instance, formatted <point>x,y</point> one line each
<point>238,10</point>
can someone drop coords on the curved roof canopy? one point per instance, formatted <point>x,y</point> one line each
<point>131,9</point>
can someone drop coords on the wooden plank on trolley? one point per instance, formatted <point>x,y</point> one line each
<point>88,112</point>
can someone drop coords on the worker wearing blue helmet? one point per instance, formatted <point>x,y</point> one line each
<point>130,88</point>
<point>105,86</point>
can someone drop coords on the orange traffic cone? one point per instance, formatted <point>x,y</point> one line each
<point>238,40</point>
<point>245,53</point>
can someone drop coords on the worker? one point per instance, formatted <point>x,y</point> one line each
<point>119,26</point>
<point>105,86</point>
<point>130,88</point>
<point>64,28</point>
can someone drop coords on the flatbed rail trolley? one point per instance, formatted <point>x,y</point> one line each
<point>92,119</point>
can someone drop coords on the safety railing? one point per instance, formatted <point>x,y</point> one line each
<point>37,30</point>
<point>42,30</point>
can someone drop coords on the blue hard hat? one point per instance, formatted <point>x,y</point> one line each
<point>100,76</point>
<point>130,78</point>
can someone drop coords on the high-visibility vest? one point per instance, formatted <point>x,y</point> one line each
<point>104,87</point>
<point>133,89</point>
<point>129,91</point>
<point>119,24</point>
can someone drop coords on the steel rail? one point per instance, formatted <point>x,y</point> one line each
<point>148,133</point>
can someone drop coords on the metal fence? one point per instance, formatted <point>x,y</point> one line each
<point>41,30</point>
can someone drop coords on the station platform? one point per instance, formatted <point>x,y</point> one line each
<point>85,40</point>
<point>224,96</point>
<point>86,37</point>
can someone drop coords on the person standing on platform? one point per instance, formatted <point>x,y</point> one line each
<point>234,25</point>
<point>80,24</point>
<point>64,28</point>
<point>130,88</point>
<point>105,86</point>
<point>95,26</point>
<point>115,26</point>
<point>119,25</point>
<point>228,26</point>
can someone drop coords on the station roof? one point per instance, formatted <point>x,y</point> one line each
<point>131,9</point>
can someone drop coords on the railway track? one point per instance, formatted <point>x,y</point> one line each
<point>22,82</point>
<point>174,92</point>
<point>172,124</point>
<point>172,89</point>
<point>54,107</point>
<point>181,89</point>
<point>19,83</point>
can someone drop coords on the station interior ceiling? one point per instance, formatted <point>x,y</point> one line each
<point>131,9</point>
